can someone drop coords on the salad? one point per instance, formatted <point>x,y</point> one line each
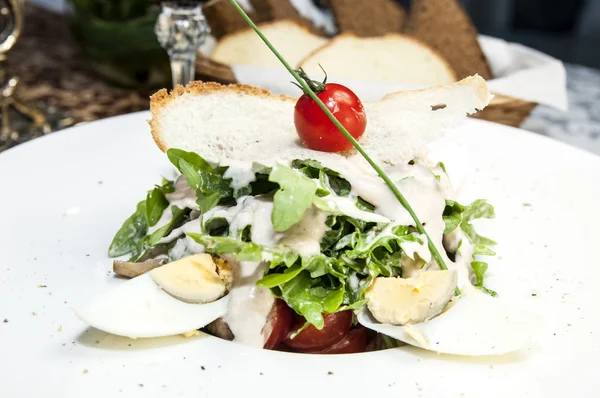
<point>308,244</point>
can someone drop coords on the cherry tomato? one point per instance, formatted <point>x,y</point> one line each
<point>336,326</point>
<point>355,341</point>
<point>315,129</point>
<point>278,325</point>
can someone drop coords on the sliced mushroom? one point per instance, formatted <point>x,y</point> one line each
<point>132,270</point>
<point>219,328</point>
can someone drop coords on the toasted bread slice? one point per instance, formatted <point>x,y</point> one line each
<point>445,26</point>
<point>244,47</point>
<point>368,18</point>
<point>392,58</point>
<point>246,123</point>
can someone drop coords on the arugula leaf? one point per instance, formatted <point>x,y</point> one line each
<point>295,195</point>
<point>309,298</point>
<point>208,182</point>
<point>178,218</point>
<point>331,179</point>
<point>131,232</point>
<point>217,226</point>
<point>272,280</point>
<point>244,251</point>
<point>364,205</point>
<point>175,155</point>
<point>456,215</point>
<point>479,269</point>
<point>156,202</point>
<point>453,213</point>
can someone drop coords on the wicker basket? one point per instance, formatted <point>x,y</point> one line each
<point>506,110</point>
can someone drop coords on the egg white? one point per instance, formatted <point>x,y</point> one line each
<point>474,324</point>
<point>140,308</point>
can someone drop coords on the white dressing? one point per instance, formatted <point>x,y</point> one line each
<point>249,305</point>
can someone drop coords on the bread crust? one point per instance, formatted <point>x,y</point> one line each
<point>386,36</point>
<point>162,98</point>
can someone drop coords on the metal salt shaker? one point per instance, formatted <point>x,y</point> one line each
<point>181,30</point>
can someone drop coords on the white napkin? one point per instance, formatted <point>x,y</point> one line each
<point>525,73</point>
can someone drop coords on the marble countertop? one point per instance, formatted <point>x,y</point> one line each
<point>580,126</point>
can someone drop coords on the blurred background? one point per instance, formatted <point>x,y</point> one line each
<point>76,61</point>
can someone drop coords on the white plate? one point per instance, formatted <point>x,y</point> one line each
<point>64,196</point>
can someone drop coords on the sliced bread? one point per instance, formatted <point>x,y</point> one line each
<point>293,41</point>
<point>393,58</point>
<point>246,123</point>
<point>445,26</point>
<point>368,18</point>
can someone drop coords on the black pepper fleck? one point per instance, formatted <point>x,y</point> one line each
<point>5,320</point>
<point>329,373</point>
<point>534,294</point>
<point>141,385</point>
<point>201,367</point>
<point>261,373</point>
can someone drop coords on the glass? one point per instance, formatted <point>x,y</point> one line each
<point>181,30</point>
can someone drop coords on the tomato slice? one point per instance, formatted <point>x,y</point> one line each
<point>278,325</point>
<point>336,326</point>
<point>355,341</point>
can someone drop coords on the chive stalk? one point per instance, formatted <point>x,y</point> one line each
<point>434,251</point>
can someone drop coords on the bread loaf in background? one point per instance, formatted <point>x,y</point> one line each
<point>245,47</point>
<point>223,18</point>
<point>445,26</point>
<point>368,18</point>
<point>393,58</point>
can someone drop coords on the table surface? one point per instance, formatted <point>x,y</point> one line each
<point>52,72</point>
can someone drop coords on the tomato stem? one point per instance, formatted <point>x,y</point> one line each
<point>316,86</point>
<point>310,92</point>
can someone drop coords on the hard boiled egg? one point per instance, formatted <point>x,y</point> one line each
<point>399,301</point>
<point>178,297</point>
<point>473,324</point>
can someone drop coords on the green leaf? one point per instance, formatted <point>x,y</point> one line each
<point>483,251</point>
<point>244,251</point>
<point>295,195</point>
<point>131,232</point>
<point>208,182</point>
<point>178,215</point>
<point>453,213</point>
<point>156,203</point>
<point>479,269</point>
<point>330,179</point>
<point>364,205</point>
<point>175,155</point>
<point>273,280</point>
<point>217,226</point>
<point>310,298</point>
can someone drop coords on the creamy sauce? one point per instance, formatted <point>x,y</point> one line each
<point>305,237</point>
<point>184,196</point>
<point>241,173</point>
<point>249,305</point>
